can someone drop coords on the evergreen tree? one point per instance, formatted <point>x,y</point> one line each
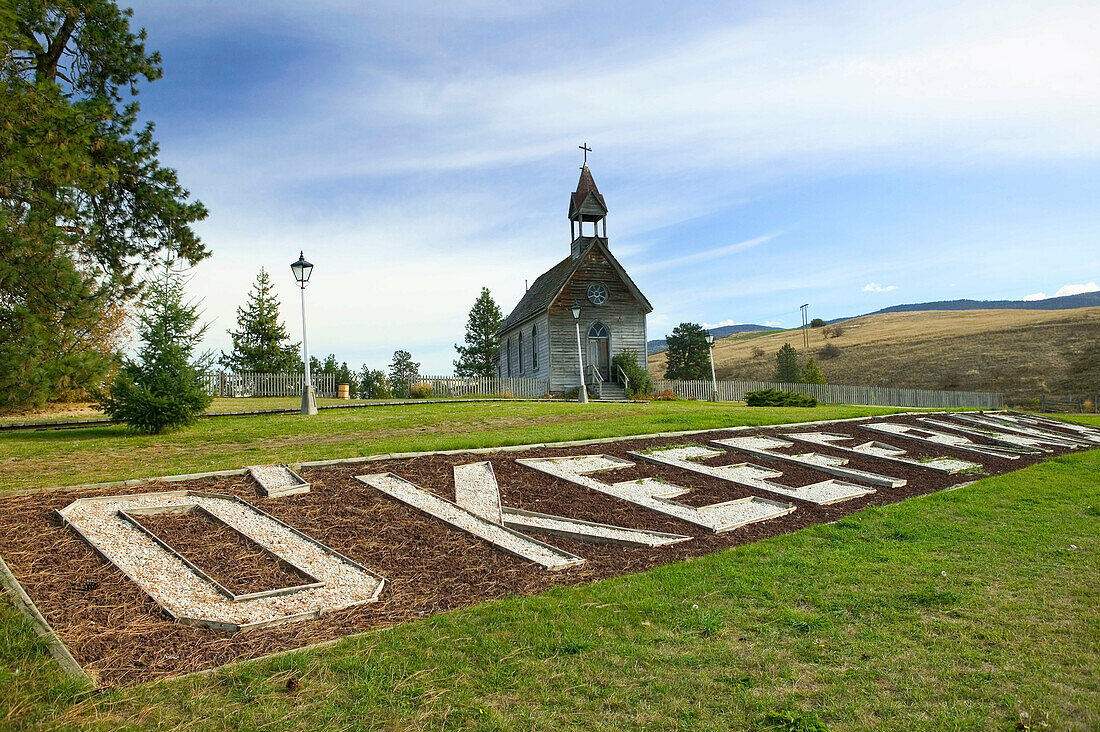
<point>259,343</point>
<point>84,202</point>
<point>811,374</point>
<point>479,356</point>
<point>163,388</point>
<point>374,384</point>
<point>403,373</point>
<point>688,353</point>
<point>786,365</point>
<point>340,371</point>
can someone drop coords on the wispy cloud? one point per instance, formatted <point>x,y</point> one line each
<point>418,152</point>
<point>876,287</point>
<point>1065,290</point>
<point>703,256</point>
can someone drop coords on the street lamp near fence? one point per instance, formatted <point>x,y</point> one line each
<point>582,392</point>
<point>302,270</point>
<point>713,378</point>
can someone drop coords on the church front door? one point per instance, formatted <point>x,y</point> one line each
<point>599,350</point>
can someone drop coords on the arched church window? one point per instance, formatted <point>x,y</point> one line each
<point>598,330</point>
<point>520,346</point>
<point>534,348</point>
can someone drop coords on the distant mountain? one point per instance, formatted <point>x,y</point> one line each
<point>721,332</point>
<point>1067,302</point>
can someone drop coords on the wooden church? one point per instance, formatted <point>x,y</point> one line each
<point>538,339</point>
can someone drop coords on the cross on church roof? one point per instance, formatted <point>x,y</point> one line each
<point>587,150</point>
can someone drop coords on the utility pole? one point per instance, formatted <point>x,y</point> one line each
<point>805,333</point>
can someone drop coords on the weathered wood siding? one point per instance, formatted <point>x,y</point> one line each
<point>539,327</point>
<point>622,314</point>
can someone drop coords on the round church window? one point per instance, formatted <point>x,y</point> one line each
<point>597,293</point>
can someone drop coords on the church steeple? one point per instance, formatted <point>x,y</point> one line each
<point>586,205</point>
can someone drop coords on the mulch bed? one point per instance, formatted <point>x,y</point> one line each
<point>234,561</point>
<point>121,636</point>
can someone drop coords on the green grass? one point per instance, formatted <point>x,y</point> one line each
<point>960,610</point>
<point>44,458</point>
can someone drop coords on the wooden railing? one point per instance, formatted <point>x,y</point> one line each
<point>734,391</point>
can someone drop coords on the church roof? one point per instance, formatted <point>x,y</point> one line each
<point>541,295</point>
<point>585,186</point>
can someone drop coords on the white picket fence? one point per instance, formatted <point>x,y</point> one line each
<point>457,386</point>
<point>251,384</point>
<point>734,391</point>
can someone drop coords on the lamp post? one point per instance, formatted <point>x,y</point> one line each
<point>302,270</point>
<point>713,378</point>
<point>582,393</point>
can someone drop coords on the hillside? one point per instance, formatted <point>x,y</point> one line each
<point>1021,353</point>
<point>1066,302</point>
<point>656,346</point>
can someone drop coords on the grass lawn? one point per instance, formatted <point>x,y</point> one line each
<point>958,610</point>
<point>44,458</point>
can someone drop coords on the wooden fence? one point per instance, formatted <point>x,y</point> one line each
<point>734,391</point>
<point>457,386</point>
<point>1064,403</point>
<point>249,384</point>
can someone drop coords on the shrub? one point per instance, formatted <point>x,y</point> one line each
<point>421,390</point>
<point>833,331</point>
<point>829,351</point>
<point>757,352</point>
<point>817,323</point>
<point>639,383</point>
<point>574,393</point>
<point>778,398</point>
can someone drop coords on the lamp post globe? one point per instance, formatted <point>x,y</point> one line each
<point>582,390</point>
<point>302,271</point>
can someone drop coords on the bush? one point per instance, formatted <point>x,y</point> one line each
<point>829,351</point>
<point>833,331</point>
<point>817,323</point>
<point>640,384</point>
<point>666,396</point>
<point>757,352</point>
<point>421,390</point>
<point>778,398</point>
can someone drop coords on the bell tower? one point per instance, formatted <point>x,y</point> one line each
<point>586,205</point>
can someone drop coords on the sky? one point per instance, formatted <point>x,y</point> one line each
<point>754,156</point>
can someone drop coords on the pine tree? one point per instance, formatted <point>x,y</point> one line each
<point>786,365</point>
<point>162,389</point>
<point>479,356</point>
<point>84,203</point>
<point>688,353</point>
<point>811,374</point>
<point>259,343</point>
<point>403,373</point>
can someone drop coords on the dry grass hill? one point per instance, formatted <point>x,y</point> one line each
<point>1021,353</point>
